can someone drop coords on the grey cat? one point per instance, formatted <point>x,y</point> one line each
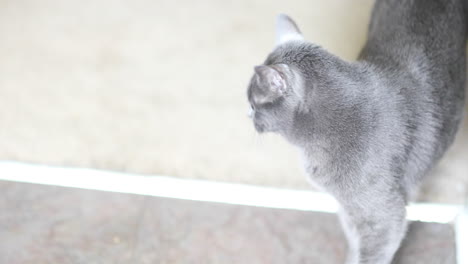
<point>369,130</point>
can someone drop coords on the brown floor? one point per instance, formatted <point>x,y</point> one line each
<point>46,224</point>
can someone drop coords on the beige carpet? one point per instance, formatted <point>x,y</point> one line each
<point>158,87</point>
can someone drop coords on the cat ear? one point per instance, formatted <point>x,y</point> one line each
<point>273,82</point>
<point>286,30</point>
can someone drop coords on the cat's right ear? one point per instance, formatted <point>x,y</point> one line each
<point>286,30</point>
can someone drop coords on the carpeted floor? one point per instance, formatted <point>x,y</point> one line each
<point>158,87</point>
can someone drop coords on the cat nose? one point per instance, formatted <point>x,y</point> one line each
<point>259,127</point>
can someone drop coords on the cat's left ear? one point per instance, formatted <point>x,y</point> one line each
<point>287,30</point>
<point>272,84</point>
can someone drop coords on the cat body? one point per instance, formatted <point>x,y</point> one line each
<point>369,130</point>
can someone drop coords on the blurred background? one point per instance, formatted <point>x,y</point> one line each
<point>159,87</point>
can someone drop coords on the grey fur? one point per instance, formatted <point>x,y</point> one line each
<point>370,130</point>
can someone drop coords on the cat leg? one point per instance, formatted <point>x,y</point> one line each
<point>352,238</point>
<point>374,227</point>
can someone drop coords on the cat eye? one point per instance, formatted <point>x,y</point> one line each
<point>267,105</point>
<point>250,113</point>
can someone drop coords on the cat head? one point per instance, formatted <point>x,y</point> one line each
<point>274,91</point>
